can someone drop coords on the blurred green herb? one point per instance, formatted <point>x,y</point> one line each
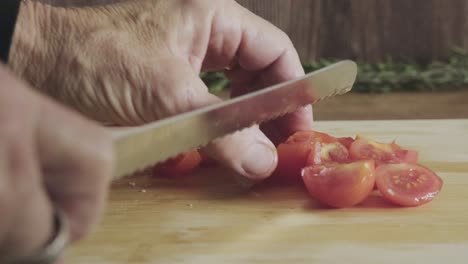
<point>389,75</point>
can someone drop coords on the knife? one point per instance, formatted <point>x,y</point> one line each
<point>140,147</point>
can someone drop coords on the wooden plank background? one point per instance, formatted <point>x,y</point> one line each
<point>369,30</point>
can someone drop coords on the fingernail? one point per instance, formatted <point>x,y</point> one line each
<point>259,160</point>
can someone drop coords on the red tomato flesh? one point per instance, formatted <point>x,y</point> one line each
<point>183,164</point>
<point>324,137</point>
<point>346,141</point>
<point>328,153</point>
<point>364,149</point>
<point>206,160</point>
<point>291,159</point>
<point>407,184</point>
<point>307,148</point>
<point>342,185</point>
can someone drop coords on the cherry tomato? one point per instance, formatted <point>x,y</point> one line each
<point>340,185</point>
<point>346,141</point>
<point>306,147</point>
<point>183,164</point>
<point>207,161</point>
<point>301,137</point>
<point>406,155</point>
<point>407,184</point>
<point>324,137</point>
<point>363,149</point>
<point>292,158</point>
<point>311,135</point>
<point>328,153</point>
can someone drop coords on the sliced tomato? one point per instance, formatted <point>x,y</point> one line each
<point>206,160</point>
<point>407,184</point>
<point>324,137</point>
<point>340,185</point>
<point>328,153</point>
<point>307,148</point>
<point>311,135</point>
<point>183,164</point>
<point>306,136</point>
<point>406,155</point>
<point>346,141</point>
<point>292,158</point>
<point>363,149</point>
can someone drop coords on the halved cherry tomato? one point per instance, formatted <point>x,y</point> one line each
<point>309,136</point>
<point>206,160</point>
<point>307,147</point>
<point>363,149</point>
<point>407,184</point>
<point>346,141</point>
<point>342,185</point>
<point>292,158</point>
<point>328,152</point>
<point>324,137</point>
<point>181,165</point>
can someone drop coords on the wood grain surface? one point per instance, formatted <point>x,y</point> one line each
<point>368,30</point>
<point>208,218</point>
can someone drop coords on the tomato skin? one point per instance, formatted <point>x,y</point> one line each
<point>311,135</point>
<point>183,164</point>
<point>364,149</point>
<point>306,148</point>
<point>207,161</point>
<point>301,137</point>
<point>324,137</point>
<point>340,185</point>
<point>291,159</point>
<point>406,155</point>
<point>292,156</point>
<point>407,184</point>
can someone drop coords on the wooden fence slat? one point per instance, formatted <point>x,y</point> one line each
<point>369,30</point>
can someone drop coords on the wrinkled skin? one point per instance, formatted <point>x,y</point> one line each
<point>139,61</point>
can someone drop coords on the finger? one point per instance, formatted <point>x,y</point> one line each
<point>249,152</point>
<point>264,54</point>
<point>30,212</point>
<point>26,213</point>
<point>77,160</point>
<point>277,64</point>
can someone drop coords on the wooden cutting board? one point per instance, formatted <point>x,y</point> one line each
<point>208,218</point>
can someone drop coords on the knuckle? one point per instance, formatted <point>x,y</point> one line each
<point>206,6</point>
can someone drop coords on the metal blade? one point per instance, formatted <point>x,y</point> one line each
<point>142,146</point>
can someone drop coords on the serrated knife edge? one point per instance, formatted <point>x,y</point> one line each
<point>142,146</point>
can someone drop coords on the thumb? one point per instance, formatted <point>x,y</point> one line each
<point>248,152</point>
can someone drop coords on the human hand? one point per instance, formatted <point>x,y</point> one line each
<point>139,61</point>
<point>50,158</point>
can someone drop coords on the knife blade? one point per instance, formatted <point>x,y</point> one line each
<point>142,146</point>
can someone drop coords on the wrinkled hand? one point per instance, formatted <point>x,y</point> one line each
<point>49,158</point>
<point>139,61</point>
